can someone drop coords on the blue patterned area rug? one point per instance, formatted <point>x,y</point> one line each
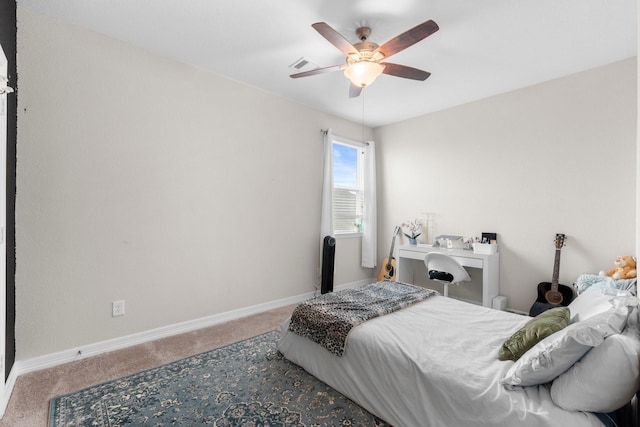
<point>248,384</point>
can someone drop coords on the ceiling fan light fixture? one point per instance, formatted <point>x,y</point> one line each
<point>363,59</point>
<point>363,73</point>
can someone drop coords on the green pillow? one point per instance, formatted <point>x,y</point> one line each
<point>536,329</point>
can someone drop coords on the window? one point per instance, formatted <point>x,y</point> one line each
<point>348,189</point>
<point>349,183</point>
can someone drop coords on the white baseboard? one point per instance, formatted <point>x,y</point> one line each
<point>54,359</point>
<point>8,389</point>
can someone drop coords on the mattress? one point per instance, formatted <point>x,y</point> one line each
<point>434,363</point>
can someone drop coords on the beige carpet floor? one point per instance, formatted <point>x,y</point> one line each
<point>29,403</point>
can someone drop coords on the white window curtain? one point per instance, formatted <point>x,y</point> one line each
<point>369,220</point>
<point>326,218</point>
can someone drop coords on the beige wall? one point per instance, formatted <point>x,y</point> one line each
<point>559,157</point>
<point>188,194</point>
<point>139,178</point>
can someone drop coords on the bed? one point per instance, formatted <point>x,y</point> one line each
<point>435,363</point>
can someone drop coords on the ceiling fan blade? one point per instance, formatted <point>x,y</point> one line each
<point>354,91</point>
<point>335,38</point>
<point>319,71</point>
<point>408,38</point>
<point>398,70</point>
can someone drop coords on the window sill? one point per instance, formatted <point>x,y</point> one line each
<point>348,236</point>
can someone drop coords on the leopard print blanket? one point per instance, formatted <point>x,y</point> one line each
<point>328,318</point>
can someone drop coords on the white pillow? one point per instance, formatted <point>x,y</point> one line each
<point>604,380</point>
<point>589,304</point>
<point>556,353</point>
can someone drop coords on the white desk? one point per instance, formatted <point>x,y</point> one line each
<point>489,264</point>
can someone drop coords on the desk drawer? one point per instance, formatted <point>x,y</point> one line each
<point>469,262</point>
<point>419,255</point>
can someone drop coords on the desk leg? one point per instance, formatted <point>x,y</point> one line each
<point>404,271</point>
<point>490,282</point>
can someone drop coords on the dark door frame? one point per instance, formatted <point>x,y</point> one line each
<point>9,45</point>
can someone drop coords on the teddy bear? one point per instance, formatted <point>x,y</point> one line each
<point>625,268</point>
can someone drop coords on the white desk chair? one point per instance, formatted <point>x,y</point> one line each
<point>445,269</point>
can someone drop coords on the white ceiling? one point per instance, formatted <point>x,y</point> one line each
<point>482,48</point>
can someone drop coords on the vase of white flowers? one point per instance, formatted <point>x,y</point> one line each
<point>412,231</point>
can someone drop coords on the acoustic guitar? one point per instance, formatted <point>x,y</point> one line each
<point>388,270</point>
<point>553,294</point>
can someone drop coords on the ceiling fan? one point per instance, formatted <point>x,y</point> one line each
<point>364,59</point>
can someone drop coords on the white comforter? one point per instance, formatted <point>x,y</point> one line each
<point>432,364</point>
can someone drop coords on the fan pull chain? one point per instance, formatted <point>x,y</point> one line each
<point>363,140</point>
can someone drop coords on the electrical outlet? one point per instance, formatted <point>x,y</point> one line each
<point>117,308</point>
